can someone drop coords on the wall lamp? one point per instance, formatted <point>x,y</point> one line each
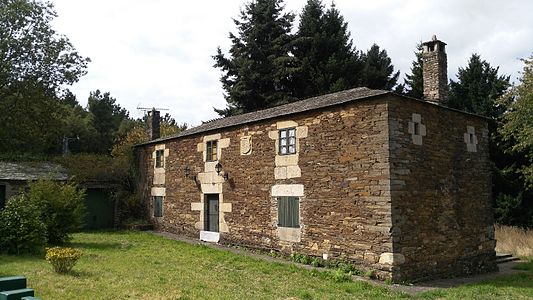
<point>218,168</point>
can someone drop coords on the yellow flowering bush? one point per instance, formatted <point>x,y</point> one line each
<point>62,258</point>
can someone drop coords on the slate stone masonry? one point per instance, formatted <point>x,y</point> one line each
<point>370,194</point>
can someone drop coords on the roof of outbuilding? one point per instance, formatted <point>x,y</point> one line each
<point>31,171</point>
<point>277,111</point>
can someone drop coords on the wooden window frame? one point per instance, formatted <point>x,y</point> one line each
<point>287,138</point>
<point>160,158</point>
<point>288,205</point>
<point>158,213</point>
<point>211,151</point>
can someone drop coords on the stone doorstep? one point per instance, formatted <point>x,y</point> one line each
<point>412,289</point>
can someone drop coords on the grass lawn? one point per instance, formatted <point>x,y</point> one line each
<point>136,265</point>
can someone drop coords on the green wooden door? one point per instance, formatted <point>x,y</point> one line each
<point>2,196</point>
<point>100,209</point>
<point>211,213</point>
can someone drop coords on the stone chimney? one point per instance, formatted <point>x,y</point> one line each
<point>153,126</point>
<point>434,71</point>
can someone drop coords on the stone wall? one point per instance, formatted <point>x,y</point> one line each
<point>340,172</point>
<point>441,191</point>
<point>389,183</point>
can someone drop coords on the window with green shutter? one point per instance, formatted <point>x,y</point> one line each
<point>289,212</point>
<point>158,206</point>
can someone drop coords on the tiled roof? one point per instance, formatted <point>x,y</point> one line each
<point>277,111</point>
<point>31,171</point>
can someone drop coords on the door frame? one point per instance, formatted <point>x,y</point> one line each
<point>207,214</point>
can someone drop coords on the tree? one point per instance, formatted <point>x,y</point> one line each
<point>518,122</point>
<point>31,119</point>
<point>260,69</point>
<point>323,46</point>
<point>378,71</point>
<point>477,89</point>
<point>31,49</point>
<point>35,64</point>
<point>414,82</point>
<point>106,117</point>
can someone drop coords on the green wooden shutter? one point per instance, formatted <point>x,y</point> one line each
<point>294,212</point>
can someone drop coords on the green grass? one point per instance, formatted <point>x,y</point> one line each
<point>517,286</point>
<point>119,265</point>
<point>136,265</point>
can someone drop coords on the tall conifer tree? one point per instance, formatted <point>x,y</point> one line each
<point>378,71</point>
<point>259,70</point>
<point>325,51</point>
<point>414,82</point>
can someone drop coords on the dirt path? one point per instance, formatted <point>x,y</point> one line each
<point>504,269</point>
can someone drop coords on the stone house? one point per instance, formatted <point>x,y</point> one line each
<point>390,183</point>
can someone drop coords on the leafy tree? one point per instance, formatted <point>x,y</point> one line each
<point>378,71</point>
<point>414,82</point>
<point>518,121</point>
<point>31,49</point>
<point>477,89</point>
<point>259,71</point>
<point>323,46</point>
<point>35,62</point>
<point>31,119</point>
<point>106,117</point>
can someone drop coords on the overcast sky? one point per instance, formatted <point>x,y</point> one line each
<point>158,53</point>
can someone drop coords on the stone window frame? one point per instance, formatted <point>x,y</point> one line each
<point>211,150</point>
<point>287,138</point>
<point>160,158</point>
<point>417,129</point>
<point>158,213</point>
<point>290,221</point>
<point>470,139</point>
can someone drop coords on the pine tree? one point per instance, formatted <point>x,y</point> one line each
<point>259,72</point>
<point>414,82</point>
<point>477,89</point>
<point>325,50</point>
<point>378,71</point>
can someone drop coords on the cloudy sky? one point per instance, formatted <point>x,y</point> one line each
<point>158,53</point>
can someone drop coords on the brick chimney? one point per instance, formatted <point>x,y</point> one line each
<point>434,71</point>
<point>153,126</point>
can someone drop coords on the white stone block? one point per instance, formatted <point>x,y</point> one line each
<point>393,259</point>
<point>292,190</point>
<point>280,173</point>
<point>158,191</point>
<point>289,234</point>
<point>293,172</point>
<point>208,236</point>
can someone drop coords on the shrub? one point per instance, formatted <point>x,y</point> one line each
<point>61,207</point>
<point>62,259</point>
<point>21,229</point>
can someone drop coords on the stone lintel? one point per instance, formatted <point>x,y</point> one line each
<point>292,190</point>
<point>158,191</point>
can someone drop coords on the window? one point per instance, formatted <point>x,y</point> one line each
<point>289,212</point>
<point>287,141</point>
<point>158,206</point>
<point>471,138</point>
<point>211,151</point>
<point>159,158</point>
<point>416,128</point>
